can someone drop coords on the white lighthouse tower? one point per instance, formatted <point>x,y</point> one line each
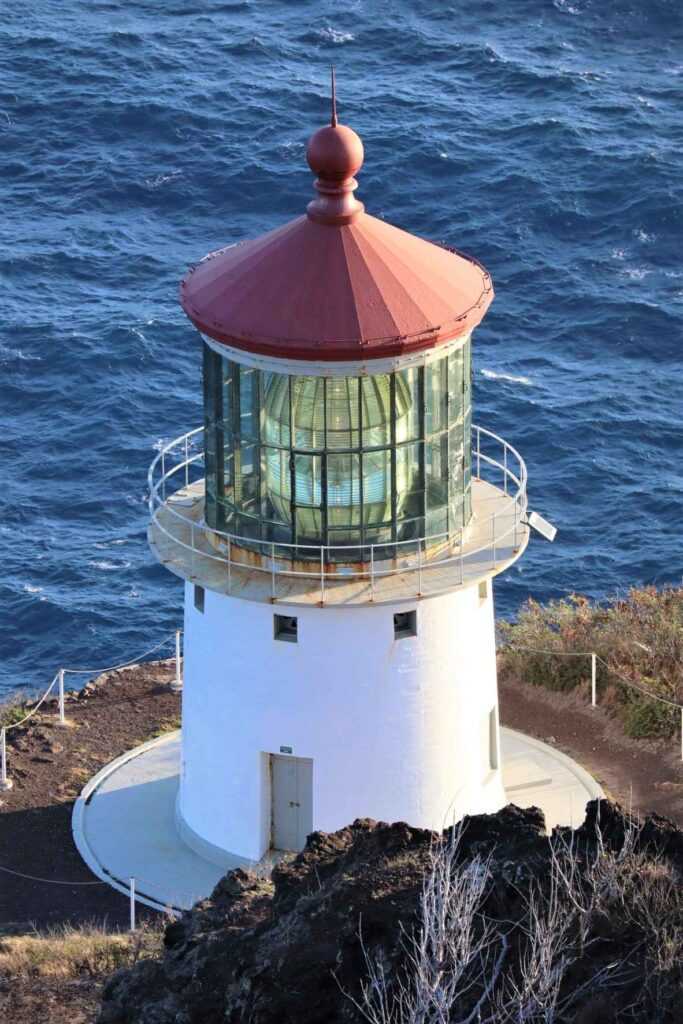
<point>338,531</point>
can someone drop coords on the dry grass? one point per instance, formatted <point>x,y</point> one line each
<point>70,953</point>
<point>166,726</point>
<point>640,637</point>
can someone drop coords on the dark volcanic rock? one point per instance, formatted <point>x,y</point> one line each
<point>284,950</point>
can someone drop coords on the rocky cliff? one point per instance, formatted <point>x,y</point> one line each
<point>495,923</point>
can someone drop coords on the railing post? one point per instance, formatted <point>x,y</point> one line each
<point>272,571</point>
<point>229,564</point>
<point>493,537</point>
<point>505,468</point>
<point>322,575</point>
<point>177,684</point>
<point>187,464</point>
<point>594,674</point>
<point>131,882</point>
<point>163,476</point>
<point>479,453</point>
<point>62,717</point>
<point>419,567</point>
<point>514,527</point>
<point>372,572</point>
<point>5,783</point>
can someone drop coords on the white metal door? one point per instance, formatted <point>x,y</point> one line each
<point>292,797</point>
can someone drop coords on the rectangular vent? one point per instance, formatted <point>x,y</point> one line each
<point>405,624</point>
<point>285,627</point>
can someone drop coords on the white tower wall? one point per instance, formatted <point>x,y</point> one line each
<point>397,729</point>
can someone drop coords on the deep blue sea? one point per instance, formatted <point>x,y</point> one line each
<point>135,136</point>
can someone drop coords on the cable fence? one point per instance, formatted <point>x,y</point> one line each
<point>58,681</point>
<point>136,887</point>
<point>595,660</point>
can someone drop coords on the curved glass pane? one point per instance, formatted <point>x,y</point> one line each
<point>338,461</point>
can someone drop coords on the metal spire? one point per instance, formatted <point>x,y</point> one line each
<point>333,119</point>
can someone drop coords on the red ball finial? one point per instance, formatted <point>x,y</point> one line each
<point>335,154</point>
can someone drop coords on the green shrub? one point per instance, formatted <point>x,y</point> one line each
<point>637,638</point>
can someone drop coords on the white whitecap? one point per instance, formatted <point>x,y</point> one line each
<point>106,566</point>
<point>492,375</point>
<point>32,590</point>
<point>162,179</point>
<point>8,355</point>
<point>335,35</point>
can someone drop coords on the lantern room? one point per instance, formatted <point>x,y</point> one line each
<point>343,462</point>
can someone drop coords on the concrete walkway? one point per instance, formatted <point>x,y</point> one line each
<point>124,820</point>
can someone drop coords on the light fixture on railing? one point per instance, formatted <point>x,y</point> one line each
<point>542,526</point>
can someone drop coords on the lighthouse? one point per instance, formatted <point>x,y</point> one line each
<point>338,521</point>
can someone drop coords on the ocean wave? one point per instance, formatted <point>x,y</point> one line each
<point>334,35</point>
<point>17,355</point>
<point>495,375</point>
<point>107,566</point>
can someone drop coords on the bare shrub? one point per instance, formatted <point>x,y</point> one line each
<point>597,921</point>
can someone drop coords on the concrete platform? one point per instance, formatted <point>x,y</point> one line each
<point>496,537</point>
<point>124,820</point>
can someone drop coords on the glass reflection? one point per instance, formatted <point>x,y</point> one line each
<point>306,460</point>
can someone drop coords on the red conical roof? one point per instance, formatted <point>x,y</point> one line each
<point>336,284</point>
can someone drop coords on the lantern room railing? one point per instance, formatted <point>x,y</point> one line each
<point>176,505</point>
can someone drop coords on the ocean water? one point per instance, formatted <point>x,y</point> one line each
<point>544,137</point>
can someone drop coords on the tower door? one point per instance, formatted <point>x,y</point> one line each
<point>292,801</point>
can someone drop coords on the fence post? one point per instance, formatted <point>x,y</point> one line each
<point>132,903</point>
<point>62,717</point>
<point>681,734</point>
<point>5,783</point>
<point>594,672</point>
<point>177,684</point>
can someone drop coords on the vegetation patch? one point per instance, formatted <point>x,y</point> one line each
<point>75,952</point>
<point>639,643</point>
<point>13,709</point>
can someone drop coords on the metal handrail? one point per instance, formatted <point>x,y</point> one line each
<point>180,451</point>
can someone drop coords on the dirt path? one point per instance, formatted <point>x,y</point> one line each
<point>643,774</point>
<point>49,766</point>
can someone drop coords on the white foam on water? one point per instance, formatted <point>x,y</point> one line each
<point>8,355</point>
<point>106,566</point>
<point>335,35</point>
<point>493,375</point>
